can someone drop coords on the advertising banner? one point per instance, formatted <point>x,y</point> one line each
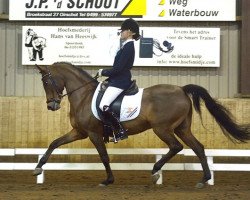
<point>97,46</point>
<point>147,10</point>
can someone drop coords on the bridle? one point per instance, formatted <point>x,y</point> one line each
<point>55,87</point>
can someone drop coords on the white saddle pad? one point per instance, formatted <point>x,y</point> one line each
<point>130,108</point>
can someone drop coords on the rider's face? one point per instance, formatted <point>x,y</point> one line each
<point>126,34</point>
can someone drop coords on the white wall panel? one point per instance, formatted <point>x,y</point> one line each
<point>18,80</point>
<point>2,58</point>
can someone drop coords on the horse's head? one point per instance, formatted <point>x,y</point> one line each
<point>53,86</point>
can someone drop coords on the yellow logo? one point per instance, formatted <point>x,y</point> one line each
<point>135,7</point>
<point>162,2</point>
<point>162,14</point>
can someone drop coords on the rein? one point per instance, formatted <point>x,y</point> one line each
<point>60,95</point>
<point>69,93</point>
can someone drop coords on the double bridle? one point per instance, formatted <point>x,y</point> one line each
<point>55,87</point>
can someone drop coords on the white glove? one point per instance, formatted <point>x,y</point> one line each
<point>100,72</point>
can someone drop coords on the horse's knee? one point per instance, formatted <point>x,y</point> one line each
<point>176,148</point>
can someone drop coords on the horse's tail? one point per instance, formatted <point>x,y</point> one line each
<point>234,131</point>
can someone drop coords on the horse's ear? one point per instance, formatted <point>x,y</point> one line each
<point>39,68</point>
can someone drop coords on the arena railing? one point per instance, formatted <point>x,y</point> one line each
<point>158,153</point>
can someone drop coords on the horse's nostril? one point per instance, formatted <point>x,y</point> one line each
<point>53,106</point>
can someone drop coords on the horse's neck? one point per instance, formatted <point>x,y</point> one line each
<point>77,82</point>
<point>79,87</point>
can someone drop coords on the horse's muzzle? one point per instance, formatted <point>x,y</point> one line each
<point>53,105</point>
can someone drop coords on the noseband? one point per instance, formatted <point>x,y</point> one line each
<point>60,95</point>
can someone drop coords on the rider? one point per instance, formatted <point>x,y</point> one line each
<point>119,76</point>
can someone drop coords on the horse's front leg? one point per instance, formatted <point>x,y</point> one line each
<point>97,140</point>
<point>71,136</point>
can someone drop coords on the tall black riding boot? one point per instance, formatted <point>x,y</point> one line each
<point>121,135</point>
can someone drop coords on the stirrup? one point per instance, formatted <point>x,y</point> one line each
<point>114,139</point>
<point>119,136</point>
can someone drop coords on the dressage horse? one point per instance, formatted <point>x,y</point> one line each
<point>167,109</point>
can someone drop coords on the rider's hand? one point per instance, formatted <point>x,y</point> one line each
<point>100,72</point>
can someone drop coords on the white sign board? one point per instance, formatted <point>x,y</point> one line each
<point>165,46</point>
<point>149,10</point>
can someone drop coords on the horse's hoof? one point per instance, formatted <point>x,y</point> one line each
<point>200,185</point>
<point>155,177</point>
<point>107,182</point>
<point>37,171</point>
<point>102,185</point>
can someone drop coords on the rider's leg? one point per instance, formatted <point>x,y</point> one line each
<point>121,135</point>
<point>109,96</point>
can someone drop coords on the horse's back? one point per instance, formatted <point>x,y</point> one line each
<point>165,103</point>
<point>165,91</point>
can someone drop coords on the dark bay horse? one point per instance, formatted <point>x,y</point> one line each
<point>167,109</point>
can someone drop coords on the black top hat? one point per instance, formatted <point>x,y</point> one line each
<point>132,25</point>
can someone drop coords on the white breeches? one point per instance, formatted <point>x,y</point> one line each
<point>109,96</point>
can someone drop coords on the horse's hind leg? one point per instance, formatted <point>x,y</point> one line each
<point>184,132</point>
<point>174,147</point>
<point>71,136</point>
